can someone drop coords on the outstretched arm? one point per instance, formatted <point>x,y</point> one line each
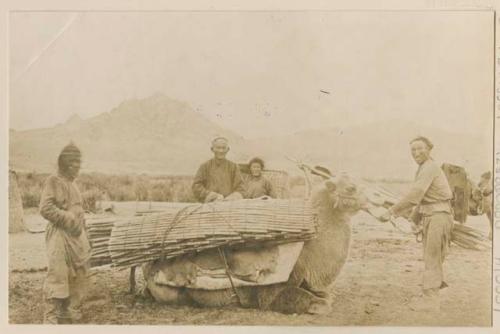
<point>415,195</point>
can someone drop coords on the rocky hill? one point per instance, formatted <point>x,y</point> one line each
<point>160,135</point>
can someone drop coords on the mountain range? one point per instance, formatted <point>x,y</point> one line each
<point>160,135</point>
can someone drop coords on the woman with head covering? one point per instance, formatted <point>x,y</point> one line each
<point>257,185</point>
<point>68,247</point>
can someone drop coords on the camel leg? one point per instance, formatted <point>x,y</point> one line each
<point>132,280</point>
<point>292,300</point>
<point>321,293</point>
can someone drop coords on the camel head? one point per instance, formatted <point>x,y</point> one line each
<point>479,194</point>
<point>339,195</point>
<point>485,184</point>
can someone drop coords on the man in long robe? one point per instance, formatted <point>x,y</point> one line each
<point>430,196</point>
<point>218,178</point>
<point>68,247</point>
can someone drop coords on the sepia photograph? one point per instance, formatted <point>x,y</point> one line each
<point>251,168</point>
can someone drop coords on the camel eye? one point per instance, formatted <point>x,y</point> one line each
<point>330,186</point>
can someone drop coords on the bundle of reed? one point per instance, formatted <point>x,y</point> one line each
<point>467,237</point>
<point>461,235</point>
<point>148,208</point>
<point>279,180</point>
<point>99,232</point>
<point>198,227</point>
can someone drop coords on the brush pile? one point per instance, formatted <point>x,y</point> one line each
<point>99,232</point>
<point>461,235</point>
<point>467,237</point>
<point>198,227</point>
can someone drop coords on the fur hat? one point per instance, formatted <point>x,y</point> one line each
<point>70,150</point>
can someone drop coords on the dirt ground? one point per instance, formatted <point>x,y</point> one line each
<point>382,273</point>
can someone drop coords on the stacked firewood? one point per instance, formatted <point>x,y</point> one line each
<point>99,231</point>
<point>469,238</point>
<point>197,227</point>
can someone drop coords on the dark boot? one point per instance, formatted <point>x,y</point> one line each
<point>54,313</point>
<point>51,311</point>
<point>64,314</point>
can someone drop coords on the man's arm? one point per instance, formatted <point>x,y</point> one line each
<point>200,192</point>
<point>48,208</point>
<point>417,191</point>
<point>237,182</point>
<point>237,185</point>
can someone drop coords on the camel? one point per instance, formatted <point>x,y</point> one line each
<point>481,201</point>
<point>306,290</point>
<point>470,199</point>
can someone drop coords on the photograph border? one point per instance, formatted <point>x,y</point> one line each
<point>230,6</point>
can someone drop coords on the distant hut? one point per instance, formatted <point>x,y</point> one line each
<point>16,220</point>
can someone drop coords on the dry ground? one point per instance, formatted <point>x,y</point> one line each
<point>383,271</point>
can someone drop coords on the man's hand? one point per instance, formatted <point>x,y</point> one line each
<point>74,225</point>
<point>213,197</point>
<point>233,196</point>
<point>264,197</point>
<point>385,217</point>
<point>416,228</point>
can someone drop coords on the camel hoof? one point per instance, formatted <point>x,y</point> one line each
<point>293,300</point>
<point>320,307</point>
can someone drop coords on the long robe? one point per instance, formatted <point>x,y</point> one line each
<point>220,176</point>
<point>68,255</point>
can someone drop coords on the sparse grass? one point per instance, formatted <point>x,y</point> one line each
<point>98,186</point>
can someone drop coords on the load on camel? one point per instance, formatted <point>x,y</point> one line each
<point>275,254</point>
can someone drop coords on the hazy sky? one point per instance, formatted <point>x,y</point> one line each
<point>258,73</point>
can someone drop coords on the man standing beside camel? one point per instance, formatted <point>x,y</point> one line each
<point>218,178</point>
<point>430,197</point>
<point>68,247</point>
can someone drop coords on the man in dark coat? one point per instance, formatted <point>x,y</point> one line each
<point>218,178</point>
